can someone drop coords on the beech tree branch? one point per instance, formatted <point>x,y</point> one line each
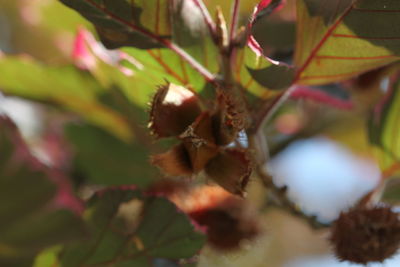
<point>277,195</point>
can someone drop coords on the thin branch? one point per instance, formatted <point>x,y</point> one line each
<point>279,197</point>
<point>276,194</point>
<point>269,108</point>
<point>165,42</point>
<point>206,16</point>
<point>234,20</point>
<point>191,61</point>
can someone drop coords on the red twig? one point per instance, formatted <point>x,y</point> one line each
<point>206,15</point>
<point>234,19</point>
<point>304,92</point>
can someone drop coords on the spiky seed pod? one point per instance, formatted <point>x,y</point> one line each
<point>174,162</point>
<point>364,235</point>
<point>229,119</point>
<point>173,109</point>
<point>199,141</point>
<point>230,169</point>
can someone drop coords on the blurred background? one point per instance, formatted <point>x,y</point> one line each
<point>320,153</point>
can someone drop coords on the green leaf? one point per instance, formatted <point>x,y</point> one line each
<point>163,64</point>
<point>260,76</point>
<point>28,222</point>
<point>107,160</point>
<point>48,257</point>
<point>335,44</point>
<point>66,87</point>
<point>167,232</point>
<point>383,131</point>
<point>274,77</point>
<point>160,231</point>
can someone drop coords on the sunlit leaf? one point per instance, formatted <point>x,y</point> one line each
<point>48,257</point>
<point>64,86</point>
<point>30,220</point>
<point>335,44</point>
<point>159,65</point>
<point>154,24</point>
<point>158,231</point>
<point>260,76</point>
<point>384,131</point>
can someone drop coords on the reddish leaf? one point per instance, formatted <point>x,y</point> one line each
<point>264,8</point>
<point>37,201</point>
<point>130,229</point>
<point>303,92</point>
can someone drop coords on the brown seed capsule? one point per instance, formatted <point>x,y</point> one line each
<point>230,169</point>
<point>174,162</point>
<point>173,109</point>
<point>366,235</point>
<point>199,141</point>
<point>229,119</point>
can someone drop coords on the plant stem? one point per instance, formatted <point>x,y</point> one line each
<point>234,20</point>
<point>158,39</point>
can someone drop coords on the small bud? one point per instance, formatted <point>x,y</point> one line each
<point>241,37</point>
<point>174,162</point>
<point>173,109</point>
<point>221,29</point>
<point>199,141</point>
<point>366,235</point>
<point>230,169</point>
<point>81,54</point>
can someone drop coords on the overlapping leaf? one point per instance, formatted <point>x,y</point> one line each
<point>154,24</point>
<point>30,221</point>
<point>158,231</point>
<point>384,131</point>
<point>120,23</point>
<point>339,39</point>
<point>263,72</point>
<point>162,64</point>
